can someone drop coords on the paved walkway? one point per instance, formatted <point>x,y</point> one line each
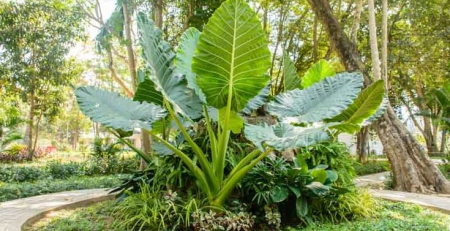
<point>376,184</point>
<point>14,214</point>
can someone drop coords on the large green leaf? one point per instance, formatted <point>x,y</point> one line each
<point>319,175</point>
<point>291,79</point>
<point>301,206</point>
<point>380,112</point>
<point>279,194</point>
<point>316,73</point>
<point>317,189</point>
<point>185,53</point>
<point>257,101</point>
<point>146,92</point>
<point>284,136</point>
<point>232,56</point>
<point>236,121</point>
<point>159,57</point>
<point>113,110</point>
<point>322,100</point>
<point>364,106</point>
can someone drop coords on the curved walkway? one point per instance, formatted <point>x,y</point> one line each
<point>375,182</point>
<point>17,213</point>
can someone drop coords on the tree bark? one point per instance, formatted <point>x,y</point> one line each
<point>443,140</point>
<point>129,42</point>
<point>356,23</point>
<point>30,126</point>
<point>362,144</point>
<point>315,53</point>
<point>158,12</point>
<point>413,170</point>
<point>373,42</point>
<point>384,48</point>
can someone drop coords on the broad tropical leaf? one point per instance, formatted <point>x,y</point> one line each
<point>322,100</point>
<point>146,92</point>
<point>232,56</point>
<point>367,103</point>
<point>318,189</point>
<point>185,53</point>
<point>159,58</point>
<point>257,101</point>
<point>283,136</point>
<point>316,73</point>
<point>380,112</point>
<point>290,77</point>
<point>113,110</point>
<point>236,121</point>
<point>364,106</point>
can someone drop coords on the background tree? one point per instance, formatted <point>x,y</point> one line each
<point>36,37</point>
<point>413,169</point>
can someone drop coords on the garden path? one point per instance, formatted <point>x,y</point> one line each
<point>16,213</point>
<point>440,202</point>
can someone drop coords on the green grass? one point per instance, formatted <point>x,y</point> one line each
<point>92,218</point>
<point>11,191</point>
<point>391,216</point>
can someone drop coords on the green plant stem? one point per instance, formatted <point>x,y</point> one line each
<point>231,183</point>
<point>134,148</point>
<point>252,155</point>
<point>189,163</point>
<point>206,166</point>
<point>212,136</point>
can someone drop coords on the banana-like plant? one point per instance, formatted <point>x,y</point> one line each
<point>223,70</point>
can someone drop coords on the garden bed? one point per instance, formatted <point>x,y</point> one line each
<point>390,216</point>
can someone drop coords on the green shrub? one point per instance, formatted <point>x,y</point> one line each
<point>371,167</point>
<point>11,191</point>
<point>58,170</point>
<point>293,187</point>
<point>9,174</point>
<point>347,207</point>
<point>334,154</point>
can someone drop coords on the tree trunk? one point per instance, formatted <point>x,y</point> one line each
<point>356,23</point>
<point>315,53</point>
<point>413,170</point>
<point>384,48</point>
<point>158,12</point>
<point>29,130</point>
<point>443,140</point>
<point>373,42</point>
<point>129,42</point>
<point>362,144</point>
<point>265,16</point>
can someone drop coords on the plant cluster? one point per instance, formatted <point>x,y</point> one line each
<point>207,88</point>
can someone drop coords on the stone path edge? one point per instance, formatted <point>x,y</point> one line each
<point>74,205</point>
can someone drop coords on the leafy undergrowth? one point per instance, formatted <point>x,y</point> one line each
<point>371,167</point>
<point>391,216</point>
<point>11,191</point>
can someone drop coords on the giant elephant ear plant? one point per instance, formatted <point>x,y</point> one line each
<point>224,69</point>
